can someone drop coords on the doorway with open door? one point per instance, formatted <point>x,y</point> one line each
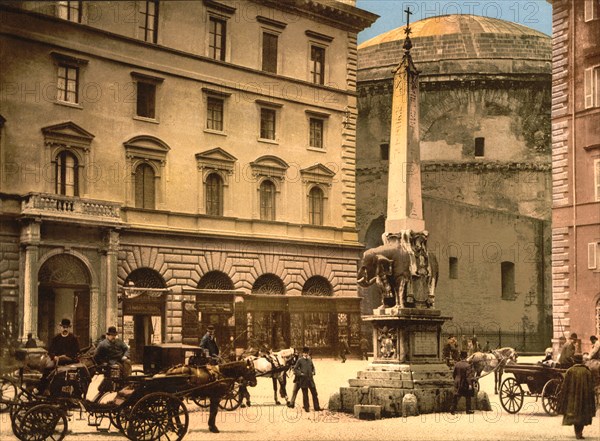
<point>64,292</point>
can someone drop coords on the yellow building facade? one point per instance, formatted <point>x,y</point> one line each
<point>169,165</point>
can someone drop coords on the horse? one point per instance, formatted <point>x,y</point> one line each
<point>486,362</point>
<point>276,365</point>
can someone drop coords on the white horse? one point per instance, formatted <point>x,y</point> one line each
<point>487,362</point>
<point>276,365</point>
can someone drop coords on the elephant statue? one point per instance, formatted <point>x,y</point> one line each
<point>405,272</point>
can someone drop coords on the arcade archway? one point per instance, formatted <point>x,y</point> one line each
<point>64,292</point>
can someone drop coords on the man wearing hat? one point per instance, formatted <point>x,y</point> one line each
<point>64,346</point>
<point>577,402</point>
<point>304,371</point>
<point>565,360</point>
<point>209,343</point>
<point>112,350</point>
<point>62,349</point>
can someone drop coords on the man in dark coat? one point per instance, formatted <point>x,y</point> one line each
<point>304,370</point>
<point>112,350</point>
<point>577,401</point>
<point>64,346</point>
<point>565,360</point>
<point>209,344</point>
<point>463,382</point>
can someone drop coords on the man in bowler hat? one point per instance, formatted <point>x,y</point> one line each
<point>565,360</point>
<point>112,350</point>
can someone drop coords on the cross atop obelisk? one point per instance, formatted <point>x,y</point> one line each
<point>405,206</point>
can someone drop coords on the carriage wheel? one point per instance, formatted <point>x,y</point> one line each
<point>202,402</point>
<point>120,418</point>
<point>43,422</point>
<point>550,395</point>
<point>232,399</point>
<point>8,392</point>
<point>158,416</point>
<point>24,401</point>
<point>511,395</point>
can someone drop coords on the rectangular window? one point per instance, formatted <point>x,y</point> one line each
<point>453,267</point>
<point>597,178</point>
<point>317,64</point>
<point>269,52</point>
<point>591,87</point>
<point>592,255</point>
<point>508,280</point>
<point>316,133</point>
<point>592,10</point>
<point>68,84</point>
<point>479,147</point>
<point>267,123</point>
<point>217,38</point>
<point>146,100</point>
<point>214,114</point>
<point>384,151</point>
<point>149,20</point>
<point>69,10</point>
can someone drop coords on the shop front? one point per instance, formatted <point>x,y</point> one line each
<point>143,320</point>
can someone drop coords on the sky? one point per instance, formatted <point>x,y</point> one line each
<point>536,14</point>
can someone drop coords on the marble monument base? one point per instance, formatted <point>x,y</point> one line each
<point>407,375</point>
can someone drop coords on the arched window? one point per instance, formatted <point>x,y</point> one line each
<point>214,195</point>
<point>268,284</point>
<point>144,186</point>
<point>315,206</point>
<point>215,280</point>
<point>317,286</point>
<point>267,200</point>
<point>67,174</point>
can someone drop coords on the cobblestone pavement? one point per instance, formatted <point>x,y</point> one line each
<point>266,421</point>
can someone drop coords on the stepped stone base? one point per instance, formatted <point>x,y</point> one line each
<point>386,385</point>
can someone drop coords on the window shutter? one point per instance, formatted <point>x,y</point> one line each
<point>148,187</point>
<point>588,87</point>
<point>591,10</point>
<point>592,249</point>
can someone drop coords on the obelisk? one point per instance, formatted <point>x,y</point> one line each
<point>405,206</point>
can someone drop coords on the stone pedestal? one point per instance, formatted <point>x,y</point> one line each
<point>407,364</point>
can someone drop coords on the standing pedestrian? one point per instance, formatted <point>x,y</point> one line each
<point>344,349</point>
<point>577,401</point>
<point>304,371</point>
<point>364,348</point>
<point>450,351</point>
<point>463,382</point>
<point>211,348</point>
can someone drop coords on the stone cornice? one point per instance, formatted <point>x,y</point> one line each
<point>429,166</point>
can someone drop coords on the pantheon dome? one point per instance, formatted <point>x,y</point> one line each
<point>484,131</point>
<point>459,44</point>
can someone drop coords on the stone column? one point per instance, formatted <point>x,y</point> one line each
<point>28,301</point>
<point>405,206</point>
<point>111,268</point>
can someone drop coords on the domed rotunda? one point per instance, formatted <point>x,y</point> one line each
<point>484,124</point>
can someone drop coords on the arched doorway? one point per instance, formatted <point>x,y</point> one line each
<point>64,292</point>
<point>268,316</point>
<point>143,310</point>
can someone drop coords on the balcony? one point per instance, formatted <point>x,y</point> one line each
<point>71,209</point>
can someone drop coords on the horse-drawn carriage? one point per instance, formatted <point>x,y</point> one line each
<point>145,407</point>
<point>542,382</point>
